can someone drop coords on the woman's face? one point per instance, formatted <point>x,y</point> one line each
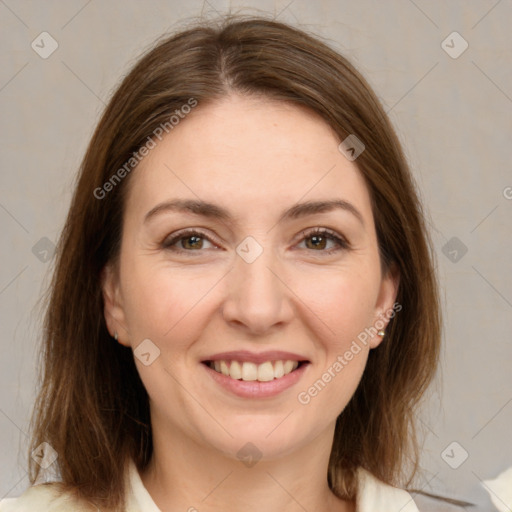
<point>239,279</point>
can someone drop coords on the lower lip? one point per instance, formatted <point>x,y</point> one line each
<point>254,388</point>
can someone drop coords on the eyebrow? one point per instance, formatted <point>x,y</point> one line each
<point>213,211</point>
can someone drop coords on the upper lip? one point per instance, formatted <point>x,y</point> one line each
<point>256,357</point>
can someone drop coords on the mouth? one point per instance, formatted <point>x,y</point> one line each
<point>256,375</point>
<point>249,371</point>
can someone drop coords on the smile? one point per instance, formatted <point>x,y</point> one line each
<point>255,380</point>
<point>249,371</point>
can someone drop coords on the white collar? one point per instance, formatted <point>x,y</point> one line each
<point>373,494</point>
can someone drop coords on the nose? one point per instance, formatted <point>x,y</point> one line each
<point>258,298</point>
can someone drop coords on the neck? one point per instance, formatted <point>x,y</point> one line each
<point>198,478</point>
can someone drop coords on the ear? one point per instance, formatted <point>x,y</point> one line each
<point>113,307</point>
<point>386,307</point>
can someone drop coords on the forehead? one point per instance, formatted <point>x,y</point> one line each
<point>249,153</point>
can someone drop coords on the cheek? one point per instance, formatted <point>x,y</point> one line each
<point>157,300</point>
<point>343,301</point>
<point>343,312</point>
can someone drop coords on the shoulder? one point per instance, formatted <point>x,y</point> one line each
<point>374,494</point>
<point>47,497</point>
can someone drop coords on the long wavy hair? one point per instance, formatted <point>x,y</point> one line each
<point>92,407</point>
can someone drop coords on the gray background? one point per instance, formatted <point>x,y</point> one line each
<point>453,115</point>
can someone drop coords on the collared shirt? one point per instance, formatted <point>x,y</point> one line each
<point>373,496</point>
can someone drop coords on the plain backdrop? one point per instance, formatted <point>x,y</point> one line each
<point>451,105</point>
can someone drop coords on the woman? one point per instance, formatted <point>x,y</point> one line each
<point>244,311</point>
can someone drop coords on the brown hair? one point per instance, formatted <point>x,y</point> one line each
<point>92,407</point>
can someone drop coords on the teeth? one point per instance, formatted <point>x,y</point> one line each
<point>235,370</point>
<point>265,372</point>
<point>223,368</point>
<point>288,366</point>
<point>278,369</point>
<point>247,371</point>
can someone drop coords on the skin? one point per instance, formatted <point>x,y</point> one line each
<point>256,158</point>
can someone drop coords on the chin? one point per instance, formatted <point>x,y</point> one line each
<point>260,438</point>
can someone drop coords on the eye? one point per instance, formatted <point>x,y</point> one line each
<point>187,241</point>
<point>320,237</point>
<point>193,240</point>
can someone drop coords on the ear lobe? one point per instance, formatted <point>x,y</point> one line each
<point>386,306</point>
<point>113,309</point>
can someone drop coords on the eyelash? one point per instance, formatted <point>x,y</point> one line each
<point>324,232</point>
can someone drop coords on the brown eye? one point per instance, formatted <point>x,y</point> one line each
<point>195,244</point>
<point>319,239</point>
<point>186,241</point>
